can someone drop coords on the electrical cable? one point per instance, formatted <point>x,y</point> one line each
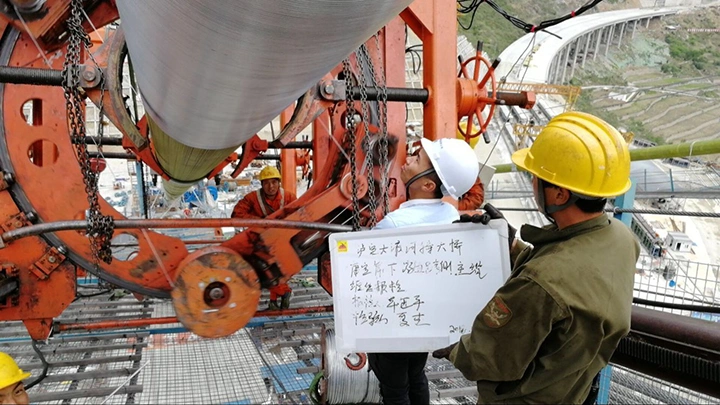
<point>97,294</point>
<point>414,51</point>
<point>527,27</point>
<point>346,386</point>
<point>314,389</point>
<point>502,80</point>
<point>636,211</point>
<point>46,366</point>
<point>470,9</point>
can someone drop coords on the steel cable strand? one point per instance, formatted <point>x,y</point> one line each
<point>698,214</point>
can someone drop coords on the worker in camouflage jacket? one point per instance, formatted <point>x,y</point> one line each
<point>548,332</point>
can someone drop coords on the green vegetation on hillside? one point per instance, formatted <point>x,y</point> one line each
<point>672,73</point>
<point>691,54</point>
<point>585,104</point>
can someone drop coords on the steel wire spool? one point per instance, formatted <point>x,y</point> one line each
<point>344,385</point>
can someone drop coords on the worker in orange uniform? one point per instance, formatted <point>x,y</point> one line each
<point>474,198</point>
<point>12,388</point>
<point>260,204</point>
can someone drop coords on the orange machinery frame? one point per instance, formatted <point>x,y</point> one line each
<point>48,187</point>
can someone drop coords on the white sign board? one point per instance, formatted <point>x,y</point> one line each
<point>414,289</point>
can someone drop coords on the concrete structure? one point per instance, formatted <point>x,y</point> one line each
<point>674,3</point>
<point>553,58</point>
<point>678,242</point>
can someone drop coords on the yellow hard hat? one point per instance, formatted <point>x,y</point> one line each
<point>10,373</point>
<point>269,172</point>
<point>473,141</point>
<point>579,152</point>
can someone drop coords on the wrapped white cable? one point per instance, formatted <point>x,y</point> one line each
<point>346,386</point>
<point>214,73</point>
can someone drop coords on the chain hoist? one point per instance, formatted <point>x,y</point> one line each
<point>363,60</point>
<point>384,140</point>
<point>351,142</point>
<point>99,227</point>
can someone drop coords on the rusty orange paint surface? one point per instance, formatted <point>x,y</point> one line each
<point>56,190</point>
<point>39,300</point>
<point>431,21</point>
<point>221,269</point>
<point>287,157</point>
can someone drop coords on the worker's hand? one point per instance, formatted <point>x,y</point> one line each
<point>493,213</point>
<point>490,214</point>
<point>475,219</point>
<point>444,353</point>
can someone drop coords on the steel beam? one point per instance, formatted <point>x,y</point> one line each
<point>89,393</point>
<point>626,201</point>
<point>47,350</point>
<point>81,311</point>
<point>309,356</point>
<point>81,362</point>
<point>90,375</point>
<point>308,370</point>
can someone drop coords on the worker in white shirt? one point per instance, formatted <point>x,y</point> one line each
<point>446,167</point>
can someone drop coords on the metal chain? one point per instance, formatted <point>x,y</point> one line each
<point>384,141</point>
<point>363,59</point>
<point>100,227</point>
<point>351,142</point>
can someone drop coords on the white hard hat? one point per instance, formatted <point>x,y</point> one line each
<point>454,162</point>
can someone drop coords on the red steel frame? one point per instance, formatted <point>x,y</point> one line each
<point>46,289</point>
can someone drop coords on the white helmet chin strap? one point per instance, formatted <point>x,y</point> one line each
<point>417,177</point>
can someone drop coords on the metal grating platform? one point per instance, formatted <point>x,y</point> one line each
<point>273,360</point>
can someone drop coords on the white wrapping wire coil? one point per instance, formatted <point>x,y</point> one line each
<point>344,385</point>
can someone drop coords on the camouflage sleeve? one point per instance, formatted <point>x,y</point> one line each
<point>507,333</point>
<point>519,247</point>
